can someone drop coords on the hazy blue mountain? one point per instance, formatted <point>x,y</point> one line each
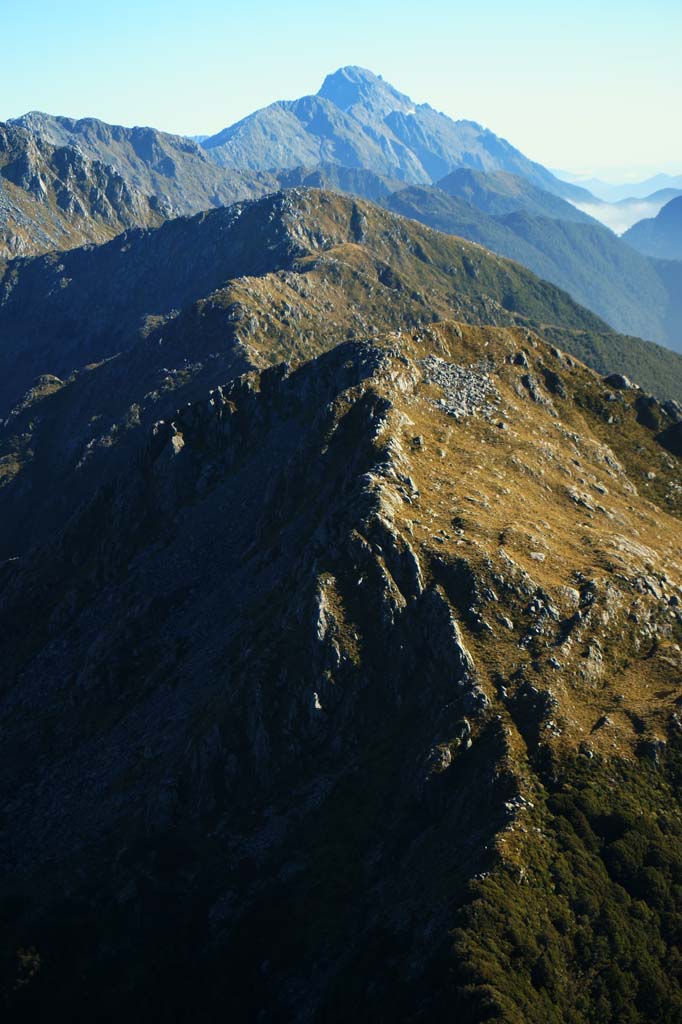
<point>358,134</point>
<point>587,260</point>
<point>660,236</point>
<point>658,199</point>
<point>359,120</point>
<point>500,192</point>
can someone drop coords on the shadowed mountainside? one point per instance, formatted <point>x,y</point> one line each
<point>389,668</point>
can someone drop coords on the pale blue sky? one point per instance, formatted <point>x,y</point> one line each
<point>579,86</point>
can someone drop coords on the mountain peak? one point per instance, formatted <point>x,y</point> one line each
<point>353,86</point>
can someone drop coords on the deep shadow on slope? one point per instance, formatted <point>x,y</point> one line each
<point>290,686</point>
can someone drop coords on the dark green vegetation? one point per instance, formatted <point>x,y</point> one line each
<point>589,929</point>
<point>660,236</point>
<point>587,260</point>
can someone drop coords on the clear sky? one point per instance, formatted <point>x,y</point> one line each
<point>580,86</point>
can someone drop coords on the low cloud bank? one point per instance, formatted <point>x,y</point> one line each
<point>621,216</point>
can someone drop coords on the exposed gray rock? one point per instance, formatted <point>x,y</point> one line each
<point>620,382</point>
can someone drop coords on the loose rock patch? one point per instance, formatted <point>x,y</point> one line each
<point>466,390</point>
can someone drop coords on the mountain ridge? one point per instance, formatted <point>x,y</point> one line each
<point>281,278</point>
<point>329,621</point>
<point>166,286</point>
<point>500,192</point>
<point>660,236</point>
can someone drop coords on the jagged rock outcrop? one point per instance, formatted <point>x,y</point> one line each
<point>56,197</point>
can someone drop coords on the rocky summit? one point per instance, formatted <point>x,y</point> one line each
<point>358,120</point>
<point>353,680</point>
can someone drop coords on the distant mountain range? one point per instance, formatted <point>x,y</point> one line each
<point>621,215</point>
<point>581,256</point>
<point>615,193</point>
<point>85,181</point>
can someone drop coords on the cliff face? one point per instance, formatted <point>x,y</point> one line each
<point>356,693</point>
